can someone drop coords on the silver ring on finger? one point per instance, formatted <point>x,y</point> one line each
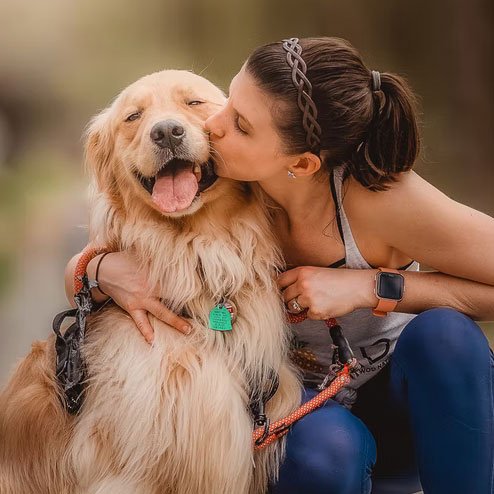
<point>294,307</point>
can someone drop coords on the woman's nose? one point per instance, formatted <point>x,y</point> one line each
<point>213,125</point>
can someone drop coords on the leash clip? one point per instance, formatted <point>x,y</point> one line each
<point>330,376</point>
<point>342,356</point>
<point>262,421</point>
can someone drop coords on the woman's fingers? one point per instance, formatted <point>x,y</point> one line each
<point>124,281</point>
<point>288,277</point>
<point>140,317</point>
<point>290,293</point>
<point>141,320</point>
<point>166,315</point>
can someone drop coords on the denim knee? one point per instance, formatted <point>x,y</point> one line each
<point>329,450</point>
<point>440,336</point>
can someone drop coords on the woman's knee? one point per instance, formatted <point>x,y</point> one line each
<point>438,333</point>
<point>330,450</point>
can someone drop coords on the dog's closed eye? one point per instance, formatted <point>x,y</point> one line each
<point>133,116</point>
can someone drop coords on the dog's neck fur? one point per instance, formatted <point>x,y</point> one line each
<point>225,248</point>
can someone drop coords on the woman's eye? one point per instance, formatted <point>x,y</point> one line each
<point>195,102</point>
<point>237,126</point>
<point>133,116</point>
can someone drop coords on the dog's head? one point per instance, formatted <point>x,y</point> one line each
<point>150,144</point>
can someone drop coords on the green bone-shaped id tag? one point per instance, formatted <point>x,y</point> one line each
<point>220,318</point>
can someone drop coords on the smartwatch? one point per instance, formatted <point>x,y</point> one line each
<point>389,289</point>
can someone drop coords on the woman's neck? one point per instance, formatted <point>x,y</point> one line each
<point>304,200</point>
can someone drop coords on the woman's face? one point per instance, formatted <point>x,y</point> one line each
<point>245,143</point>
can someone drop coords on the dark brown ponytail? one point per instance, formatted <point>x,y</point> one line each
<point>391,144</point>
<point>374,133</point>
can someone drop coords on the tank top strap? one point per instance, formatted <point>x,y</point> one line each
<point>337,204</point>
<point>354,258</point>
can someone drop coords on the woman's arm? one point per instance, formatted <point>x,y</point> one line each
<point>425,290</point>
<point>96,295</point>
<point>119,277</point>
<point>417,219</point>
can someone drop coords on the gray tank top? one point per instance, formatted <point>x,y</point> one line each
<point>371,338</point>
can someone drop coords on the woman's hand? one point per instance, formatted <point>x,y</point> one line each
<point>120,278</point>
<point>329,292</point>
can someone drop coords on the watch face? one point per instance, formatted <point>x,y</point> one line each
<point>390,285</point>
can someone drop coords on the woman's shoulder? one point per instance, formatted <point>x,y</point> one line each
<point>372,213</point>
<point>406,193</point>
<point>416,219</point>
<point>408,182</point>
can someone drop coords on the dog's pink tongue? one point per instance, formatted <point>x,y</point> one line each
<point>175,192</point>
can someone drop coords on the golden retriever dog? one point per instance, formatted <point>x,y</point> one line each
<point>173,417</point>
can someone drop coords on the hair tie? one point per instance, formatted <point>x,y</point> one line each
<point>376,80</point>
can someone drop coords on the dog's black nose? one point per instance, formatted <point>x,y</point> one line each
<point>168,133</point>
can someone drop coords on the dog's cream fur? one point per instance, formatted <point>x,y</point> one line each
<point>171,418</point>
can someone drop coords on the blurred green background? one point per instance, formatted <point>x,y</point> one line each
<point>62,61</point>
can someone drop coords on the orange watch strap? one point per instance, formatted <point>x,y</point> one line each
<point>384,305</point>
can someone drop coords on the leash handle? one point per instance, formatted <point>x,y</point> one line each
<point>80,270</point>
<point>70,365</point>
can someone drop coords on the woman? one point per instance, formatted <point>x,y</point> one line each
<point>332,145</point>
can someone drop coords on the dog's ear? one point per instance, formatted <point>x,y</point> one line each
<point>99,150</point>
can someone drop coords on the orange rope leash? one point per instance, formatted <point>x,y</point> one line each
<point>282,426</point>
<point>81,267</point>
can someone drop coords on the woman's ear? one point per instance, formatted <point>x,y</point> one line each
<point>99,150</point>
<point>308,164</point>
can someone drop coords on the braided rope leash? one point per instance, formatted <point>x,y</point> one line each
<point>304,87</point>
<point>80,270</point>
<point>264,436</point>
<point>70,365</point>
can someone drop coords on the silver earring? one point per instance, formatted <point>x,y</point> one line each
<point>291,174</point>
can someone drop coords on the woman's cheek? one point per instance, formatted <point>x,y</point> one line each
<point>228,150</point>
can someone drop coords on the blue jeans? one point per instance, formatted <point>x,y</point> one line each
<point>430,411</point>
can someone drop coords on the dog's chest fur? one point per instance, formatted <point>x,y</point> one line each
<point>227,252</point>
<point>185,387</point>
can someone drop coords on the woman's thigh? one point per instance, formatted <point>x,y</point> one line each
<point>443,373</point>
<point>389,422</point>
<point>329,450</point>
<point>432,407</point>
